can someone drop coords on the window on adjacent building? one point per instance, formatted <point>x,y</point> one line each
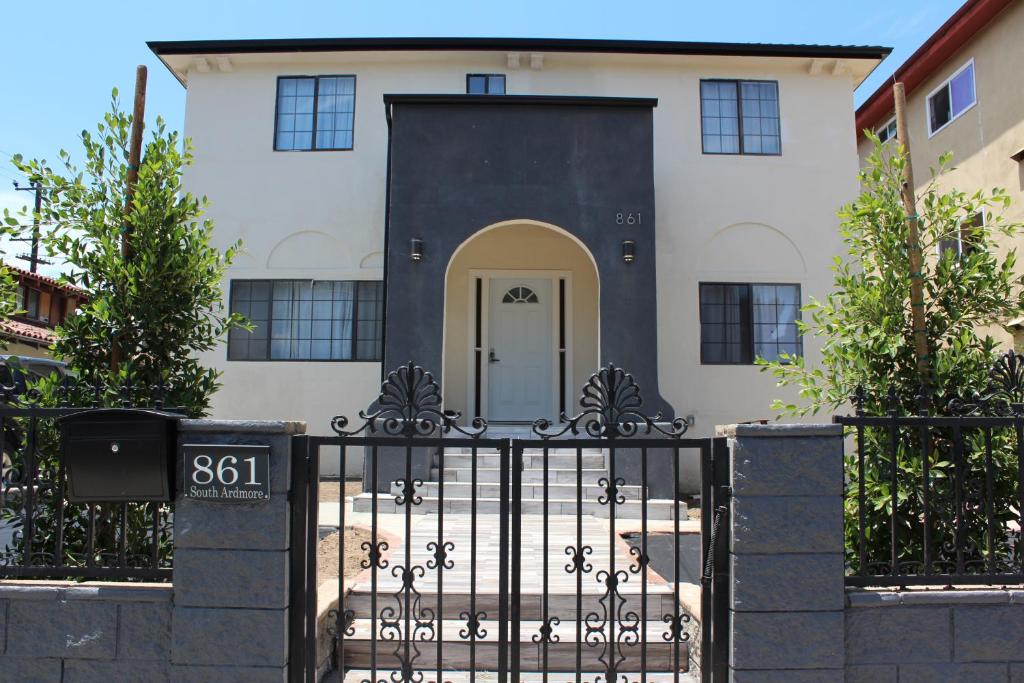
<point>740,117</point>
<point>312,320</point>
<point>951,99</point>
<point>27,300</point>
<point>315,112</point>
<point>888,131</point>
<point>741,322</point>
<point>966,238</point>
<point>485,84</point>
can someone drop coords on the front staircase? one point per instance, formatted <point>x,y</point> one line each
<point>585,613</point>
<point>567,472</point>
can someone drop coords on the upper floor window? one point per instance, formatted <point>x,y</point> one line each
<point>27,299</point>
<point>485,84</point>
<point>315,112</point>
<point>740,322</point>
<point>951,99</point>
<point>308,320</point>
<point>740,117</point>
<point>887,131</point>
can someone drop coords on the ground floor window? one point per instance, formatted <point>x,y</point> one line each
<point>740,322</point>
<point>311,320</point>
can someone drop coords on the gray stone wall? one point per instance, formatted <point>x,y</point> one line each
<point>786,551</point>
<point>224,619</point>
<point>71,633</point>
<point>935,636</point>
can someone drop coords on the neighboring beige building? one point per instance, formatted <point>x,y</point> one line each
<point>510,206</point>
<point>965,95</point>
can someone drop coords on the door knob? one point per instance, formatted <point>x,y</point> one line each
<point>491,358</point>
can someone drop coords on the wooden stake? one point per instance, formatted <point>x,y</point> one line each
<point>134,159</point>
<point>917,318</point>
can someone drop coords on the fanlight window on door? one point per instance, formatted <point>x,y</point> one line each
<point>519,295</point>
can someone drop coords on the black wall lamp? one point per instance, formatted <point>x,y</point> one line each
<point>628,251</point>
<point>416,249</point>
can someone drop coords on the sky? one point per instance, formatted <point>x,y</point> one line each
<point>60,59</point>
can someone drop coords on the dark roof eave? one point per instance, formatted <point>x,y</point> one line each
<point>559,100</point>
<point>250,46</point>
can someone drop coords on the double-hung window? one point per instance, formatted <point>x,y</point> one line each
<point>887,131</point>
<point>740,322</point>
<point>315,113</point>
<point>951,99</point>
<point>485,84</point>
<point>740,117</point>
<point>311,320</point>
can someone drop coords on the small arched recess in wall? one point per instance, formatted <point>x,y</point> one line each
<point>372,261</point>
<point>309,249</point>
<point>751,249</point>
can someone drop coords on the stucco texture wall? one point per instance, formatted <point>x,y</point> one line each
<point>263,197</point>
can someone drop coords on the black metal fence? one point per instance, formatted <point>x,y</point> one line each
<point>42,533</point>
<point>936,499</point>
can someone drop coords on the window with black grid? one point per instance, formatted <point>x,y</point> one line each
<point>740,117</point>
<point>304,320</point>
<point>740,322</point>
<point>315,113</point>
<point>485,84</point>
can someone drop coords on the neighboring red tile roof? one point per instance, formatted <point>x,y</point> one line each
<point>19,330</point>
<point>940,46</point>
<point>23,274</point>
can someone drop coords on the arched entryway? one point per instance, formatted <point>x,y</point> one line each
<point>521,322</point>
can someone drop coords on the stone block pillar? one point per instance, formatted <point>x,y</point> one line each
<point>230,616</point>
<point>786,552</point>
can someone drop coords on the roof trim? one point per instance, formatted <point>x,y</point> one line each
<point>557,100</point>
<point>190,47</point>
<point>967,21</point>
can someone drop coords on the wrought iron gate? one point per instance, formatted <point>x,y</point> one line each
<point>448,591</point>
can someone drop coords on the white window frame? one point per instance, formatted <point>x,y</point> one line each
<point>953,117</point>
<point>885,126</point>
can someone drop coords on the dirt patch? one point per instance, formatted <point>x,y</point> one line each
<point>330,491</point>
<point>327,553</point>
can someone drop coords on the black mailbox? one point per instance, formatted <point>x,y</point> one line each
<point>119,455</point>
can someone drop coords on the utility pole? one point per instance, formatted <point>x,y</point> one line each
<point>33,256</point>
<point>134,159</point>
<point>917,318</point>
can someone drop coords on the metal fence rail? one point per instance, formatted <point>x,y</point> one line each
<point>45,536</point>
<point>937,499</point>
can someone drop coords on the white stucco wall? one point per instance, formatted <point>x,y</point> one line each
<point>719,218</point>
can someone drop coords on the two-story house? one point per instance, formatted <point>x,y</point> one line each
<point>43,304</point>
<point>514,213</point>
<point>964,96</point>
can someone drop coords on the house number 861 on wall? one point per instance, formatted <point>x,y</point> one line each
<point>629,218</point>
<point>226,473</point>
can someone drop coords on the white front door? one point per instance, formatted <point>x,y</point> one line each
<point>520,354</point>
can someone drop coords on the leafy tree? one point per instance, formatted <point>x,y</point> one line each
<point>161,305</point>
<point>865,326</point>
<point>158,306</point>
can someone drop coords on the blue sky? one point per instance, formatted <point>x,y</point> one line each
<point>59,59</point>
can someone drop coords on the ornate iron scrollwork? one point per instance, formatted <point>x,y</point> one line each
<point>610,403</point>
<point>409,404</point>
<point>1004,394</point>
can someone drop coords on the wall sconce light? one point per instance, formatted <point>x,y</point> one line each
<point>628,251</point>
<point>416,249</point>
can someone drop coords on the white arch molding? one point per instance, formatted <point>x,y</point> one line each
<point>728,251</point>
<point>555,275</point>
<point>308,250</point>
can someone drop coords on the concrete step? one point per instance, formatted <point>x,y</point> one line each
<point>630,509</point>
<point>530,461</point>
<point>464,489</point>
<point>459,653</point>
<point>493,475</point>
<point>561,605</point>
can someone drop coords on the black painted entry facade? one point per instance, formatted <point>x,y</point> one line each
<point>461,163</point>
